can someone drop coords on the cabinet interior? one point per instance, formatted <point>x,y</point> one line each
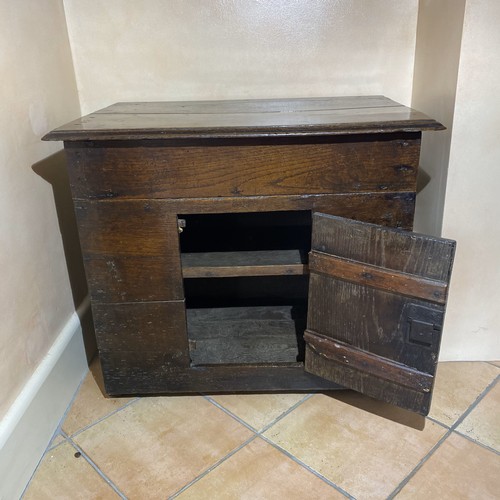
<point>245,284</point>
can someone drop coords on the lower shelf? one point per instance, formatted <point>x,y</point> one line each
<point>246,335</point>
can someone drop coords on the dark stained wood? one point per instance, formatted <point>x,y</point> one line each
<point>133,279</point>
<point>383,328</point>
<point>251,105</point>
<point>388,163</point>
<point>130,251</point>
<point>254,263</point>
<point>246,335</point>
<point>148,326</point>
<point>140,229</point>
<point>137,169</point>
<point>147,372</point>
<point>364,361</point>
<point>379,277</point>
<point>387,209</point>
<point>329,116</point>
<point>409,253</point>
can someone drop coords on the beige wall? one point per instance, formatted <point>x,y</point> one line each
<point>437,54</point>
<point>37,92</point>
<point>472,207</point>
<point>214,49</point>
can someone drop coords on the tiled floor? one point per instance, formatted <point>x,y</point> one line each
<point>279,446</point>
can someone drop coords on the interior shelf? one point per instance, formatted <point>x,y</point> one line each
<point>244,263</point>
<point>246,335</point>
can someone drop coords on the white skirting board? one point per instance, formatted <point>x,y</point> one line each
<point>31,421</point>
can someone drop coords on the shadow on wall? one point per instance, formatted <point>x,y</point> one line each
<point>53,170</point>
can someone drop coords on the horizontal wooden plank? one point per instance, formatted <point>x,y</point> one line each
<point>404,397</point>
<point>132,279</point>
<point>340,115</point>
<point>378,277</point>
<point>394,209</point>
<point>141,229</point>
<point>147,372</point>
<point>254,263</point>
<point>156,170</point>
<point>143,326</point>
<point>411,253</point>
<point>246,335</point>
<point>251,105</point>
<point>368,363</point>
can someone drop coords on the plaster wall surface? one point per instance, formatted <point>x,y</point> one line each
<point>472,208</point>
<point>37,93</point>
<point>133,50</point>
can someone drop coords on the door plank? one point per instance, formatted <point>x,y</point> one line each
<point>379,277</point>
<point>377,300</point>
<point>358,359</point>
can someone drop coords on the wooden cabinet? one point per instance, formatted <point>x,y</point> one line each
<point>258,245</point>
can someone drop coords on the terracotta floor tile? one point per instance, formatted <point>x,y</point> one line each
<point>258,410</point>
<point>61,475</point>
<point>90,404</point>
<point>459,469</point>
<point>458,385</point>
<point>260,471</point>
<point>363,446</point>
<point>483,422</point>
<point>155,446</point>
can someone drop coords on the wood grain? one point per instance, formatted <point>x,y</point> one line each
<point>358,359</point>
<point>246,335</point>
<point>258,118</point>
<point>147,372</point>
<point>389,280</point>
<point>390,339</point>
<point>409,253</point>
<point>143,326</point>
<point>157,170</point>
<point>254,263</point>
<point>132,279</point>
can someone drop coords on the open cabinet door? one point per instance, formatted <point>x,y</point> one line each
<point>377,300</point>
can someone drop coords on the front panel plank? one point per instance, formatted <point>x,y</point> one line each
<point>159,170</point>
<point>144,326</point>
<point>130,250</point>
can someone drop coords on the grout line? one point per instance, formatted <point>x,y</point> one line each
<point>231,414</point>
<point>96,468</point>
<point>287,412</point>
<point>259,433</point>
<point>57,431</point>
<point>412,473</point>
<point>476,402</point>
<point>307,467</point>
<point>212,467</point>
<point>485,446</point>
<point>99,420</point>
<point>466,413</point>
<point>432,419</point>
<point>266,427</point>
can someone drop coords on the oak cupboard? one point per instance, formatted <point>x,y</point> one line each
<point>259,245</point>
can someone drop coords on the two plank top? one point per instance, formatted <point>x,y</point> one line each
<point>245,118</point>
